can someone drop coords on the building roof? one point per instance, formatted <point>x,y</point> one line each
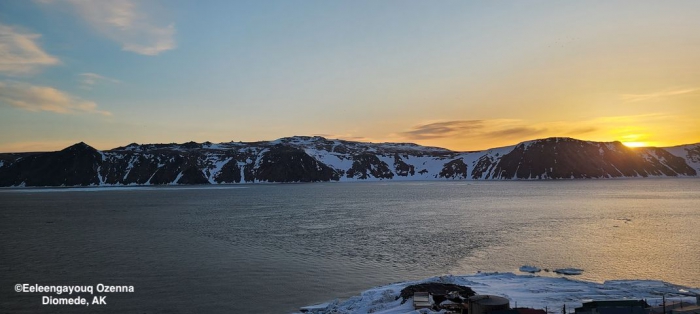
<point>489,300</point>
<point>613,303</point>
<point>523,310</point>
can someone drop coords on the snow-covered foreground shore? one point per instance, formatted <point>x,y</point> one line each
<point>522,290</point>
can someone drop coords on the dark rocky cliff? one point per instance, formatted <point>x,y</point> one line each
<point>569,158</point>
<point>316,159</point>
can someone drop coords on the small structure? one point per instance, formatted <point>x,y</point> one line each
<point>421,300</point>
<point>439,295</point>
<point>485,304</point>
<point>520,310</point>
<point>614,307</point>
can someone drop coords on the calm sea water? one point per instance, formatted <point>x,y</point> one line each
<point>272,248</point>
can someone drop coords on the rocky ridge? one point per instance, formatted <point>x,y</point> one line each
<point>317,159</point>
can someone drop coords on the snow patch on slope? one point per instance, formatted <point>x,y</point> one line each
<point>691,154</point>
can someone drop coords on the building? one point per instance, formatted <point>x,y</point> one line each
<point>520,310</point>
<point>614,307</point>
<point>485,304</point>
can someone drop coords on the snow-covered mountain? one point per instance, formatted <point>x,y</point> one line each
<point>312,159</point>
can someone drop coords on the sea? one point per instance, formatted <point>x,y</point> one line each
<point>271,248</point>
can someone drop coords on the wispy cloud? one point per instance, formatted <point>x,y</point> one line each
<point>515,132</point>
<point>443,129</point>
<point>42,98</point>
<point>657,95</point>
<point>88,80</point>
<point>500,128</point>
<point>20,53</point>
<point>124,22</point>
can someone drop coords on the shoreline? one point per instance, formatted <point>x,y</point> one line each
<point>529,290</point>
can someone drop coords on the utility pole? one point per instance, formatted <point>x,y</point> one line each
<point>664,302</point>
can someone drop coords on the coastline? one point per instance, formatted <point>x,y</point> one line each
<point>533,291</point>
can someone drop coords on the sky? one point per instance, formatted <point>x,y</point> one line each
<point>464,75</point>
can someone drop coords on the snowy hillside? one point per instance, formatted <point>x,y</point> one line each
<point>314,159</point>
<point>691,154</point>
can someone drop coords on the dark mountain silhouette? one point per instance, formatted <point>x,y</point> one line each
<point>316,159</point>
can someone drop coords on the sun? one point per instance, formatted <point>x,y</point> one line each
<point>635,144</point>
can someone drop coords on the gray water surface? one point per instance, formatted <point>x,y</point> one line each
<point>274,247</point>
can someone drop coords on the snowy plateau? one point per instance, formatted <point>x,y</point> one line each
<point>317,159</point>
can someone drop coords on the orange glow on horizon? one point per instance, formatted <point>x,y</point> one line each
<point>636,144</point>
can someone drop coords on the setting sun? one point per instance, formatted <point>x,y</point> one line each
<point>635,144</point>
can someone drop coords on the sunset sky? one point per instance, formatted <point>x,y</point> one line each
<point>456,74</point>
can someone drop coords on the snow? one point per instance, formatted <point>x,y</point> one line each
<point>527,144</point>
<point>319,307</point>
<point>685,152</point>
<point>129,167</point>
<point>611,146</point>
<point>525,290</point>
<point>216,168</point>
<point>259,158</point>
<point>177,179</point>
<point>99,175</point>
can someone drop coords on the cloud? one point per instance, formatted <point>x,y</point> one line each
<point>88,80</point>
<point>42,98</point>
<point>582,130</point>
<point>20,53</point>
<point>124,22</point>
<point>515,132</point>
<point>443,129</point>
<point>662,94</point>
<point>494,128</point>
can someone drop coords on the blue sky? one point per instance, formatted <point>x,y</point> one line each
<point>462,75</point>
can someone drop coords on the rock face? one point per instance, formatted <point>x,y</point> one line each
<point>316,159</point>
<point>74,165</point>
<point>568,158</point>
